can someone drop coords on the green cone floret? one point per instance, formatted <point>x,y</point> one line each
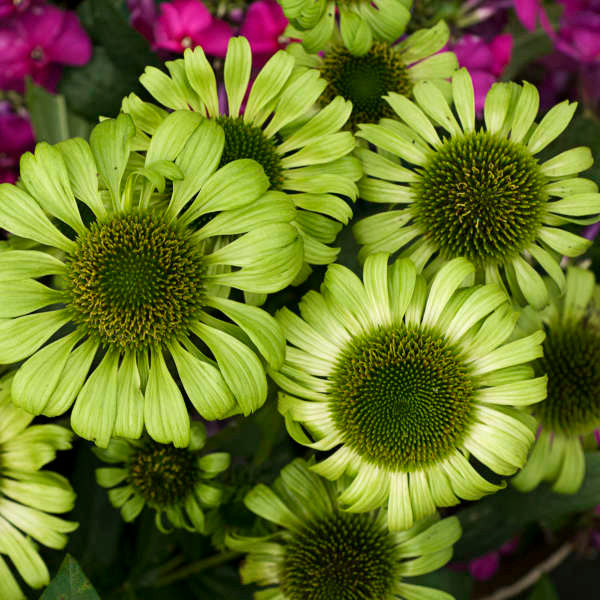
<point>366,79</point>
<point>480,196</point>
<point>361,22</point>
<point>402,396</point>
<point>29,496</point>
<point>272,120</point>
<point>248,141</point>
<point>323,553</point>
<point>409,381</point>
<point>172,481</point>
<point>569,418</point>
<point>480,193</point>
<point>137,318</point>
<point>135,281</point>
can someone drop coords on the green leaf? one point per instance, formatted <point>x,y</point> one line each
<point>453,582</point>
<point>493,520</point>
<point>119,57</point>
<point>544,590</point>
<point>70,583</point>
<point>51,119</point>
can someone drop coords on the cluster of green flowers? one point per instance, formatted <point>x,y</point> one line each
<point>137,264</point>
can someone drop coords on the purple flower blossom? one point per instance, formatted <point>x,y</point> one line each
<point>485,567</point>
<point>484,61</point>
<point>16,137</point>
<point>579,30</point>
<point>37,43</point>
<point>263,26</point>
<point>11,7</point>
<point>142,15</point>
<point>187,23</point>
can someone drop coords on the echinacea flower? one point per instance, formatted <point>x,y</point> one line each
<point>302,151</point>
<point>570,416</point>
<point>385,68</point>
<point>174,482</point>
<point>406,379</point>
<point>29,496</point>
<point>360,23</point>
<point>185,24</point>
<point>322,552</point>
<point>138,291</point>
<point>37,43</point>
<point>478,192</point>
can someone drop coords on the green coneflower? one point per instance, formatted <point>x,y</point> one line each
<point>28,495</point>
<point>138,286</point>
<point>322,552</point>
<point>175,482</point>
<point>569,418</point>
<point>303,152</point>
<point>361,22</point>
<point>478,193</point>
<point>384,68</point>
<point>406,379</point>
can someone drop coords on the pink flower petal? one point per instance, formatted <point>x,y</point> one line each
<point>501,47</point>
<point>485,567</point>
<point>473,53</point>
<point>72,46</point>
<point>215,38</point>
<point>43,25</point>
<point>528,11</point>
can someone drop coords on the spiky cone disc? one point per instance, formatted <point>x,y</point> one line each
<point>365,79</point>
<point>29,496</point>
<point>569,418</point>
<point>477,192</point>
<point>406,380</point>
<point>273,121</point>
<point>174,482</point>
<point>136,291</point>
<point>322,552</point>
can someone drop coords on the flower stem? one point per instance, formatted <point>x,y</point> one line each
<point>196,567</point>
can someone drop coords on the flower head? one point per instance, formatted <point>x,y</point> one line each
<point>477,192</point>
<point>188,23</point>
<point>569,417</point>
<point>384,68</point>
<point>139,290</point>
<point>29,496</point>
<point>303,152</point>
<point>321,552</point>
<point>172,481</point>
<point>406,379</point>
<point>37,43</point>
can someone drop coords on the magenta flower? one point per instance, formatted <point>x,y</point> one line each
<point>16,137</point>
<point>484,61</point>
<point>37,43</point>
<point>484,567</point>
<point>11,7</point>
<point>142,15</point>
<point>579,30</point>
<point>263,26</point>
<point>188,23</point>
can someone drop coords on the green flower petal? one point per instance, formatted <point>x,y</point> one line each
<point>165,89</point>
<point>129,422</point>
<point>165,414</point>
<point>411,114</point>
<point>16,265</point>
<point>525,112</point>
<point>110,141</point>
<point>572,471</point>
<point>408,591</point>
<point>432,101</point>
<point>46,178</point>
<point>95,409</point>
<point>201,78</point>
<point>9,588</point>
<point>21,215</point>
<point>464,99</point>
<point>568,162</point>
<point>551,126</point>
<point>21,337</point>
<point>265,503</point>
<point>495,109</point>
<point>531,283</point>
<point>28,295</point>
<point>111,476</point>
<point>356,33</point>
<point>564,242</point>
<point>424,42</point>
<point>239,366</point>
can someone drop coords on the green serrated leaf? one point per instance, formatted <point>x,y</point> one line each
<point>544,590</point>
<point>70,583</point>
<point>488,523</point>
<point>51,119</point>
